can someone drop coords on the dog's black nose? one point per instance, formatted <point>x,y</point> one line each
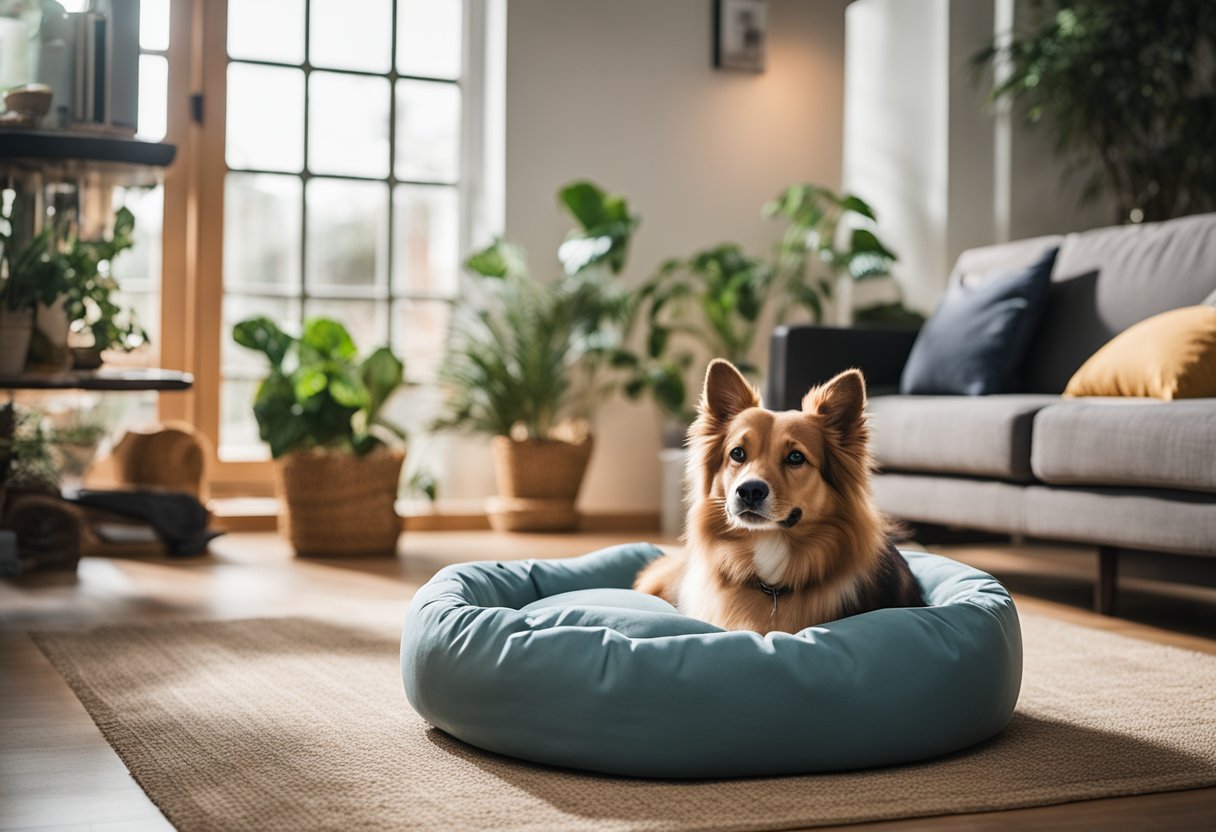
<point>752,493</point>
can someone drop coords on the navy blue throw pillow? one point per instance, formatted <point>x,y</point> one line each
<point>979,334</point>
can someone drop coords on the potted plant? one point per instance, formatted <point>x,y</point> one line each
<point>93,316</point>
<point>337,457</point>
<point>29,276</point>
<point>523,362</point>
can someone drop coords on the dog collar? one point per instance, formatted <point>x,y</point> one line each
<point>773,592</point>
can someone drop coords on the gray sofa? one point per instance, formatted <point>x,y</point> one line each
<point>1123,474</point>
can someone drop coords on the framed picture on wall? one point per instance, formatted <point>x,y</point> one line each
<point>740,28</point>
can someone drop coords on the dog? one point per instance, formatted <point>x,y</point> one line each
<point>782,531</point>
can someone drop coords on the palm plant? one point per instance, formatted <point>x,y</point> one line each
<point>1129,89</point>
<point>510,361</point>
<point>523,356</point>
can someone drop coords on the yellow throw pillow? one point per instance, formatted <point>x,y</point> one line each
<point>1167,356</point>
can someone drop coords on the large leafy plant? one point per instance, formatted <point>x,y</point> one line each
<point>525,354</point>
<point>318,393</point>
<point>715,302</point>
<point>1129,90</point>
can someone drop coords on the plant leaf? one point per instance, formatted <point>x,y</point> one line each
<point>328,339</point>
<point>382,373</point>
<point>262,334</point>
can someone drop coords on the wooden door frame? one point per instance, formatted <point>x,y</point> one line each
<point>193,288</point>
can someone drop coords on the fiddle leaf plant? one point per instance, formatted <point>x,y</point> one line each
<point>318,393</point>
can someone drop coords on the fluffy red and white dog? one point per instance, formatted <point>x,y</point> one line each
<point>782,530</point>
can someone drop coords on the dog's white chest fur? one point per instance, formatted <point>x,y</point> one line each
<point>771,556</point>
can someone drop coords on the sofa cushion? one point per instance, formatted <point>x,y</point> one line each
<point>1168,356</point>
<point>1107,279</point>
<point>985,436</point>
<point>1151,520</point>
<point>1127,442</point>
<point>979,332</point>
<point>965,502</point>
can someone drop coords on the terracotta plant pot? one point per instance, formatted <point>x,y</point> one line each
<point>538,483</point>
<point>335,504</point>
<point>15,331</point>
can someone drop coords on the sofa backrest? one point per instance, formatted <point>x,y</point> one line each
<point>1103,281</point>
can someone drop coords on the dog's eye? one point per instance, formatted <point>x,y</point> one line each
<point>738,454</point>
<point>795,458</point>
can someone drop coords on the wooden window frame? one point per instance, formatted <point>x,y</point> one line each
<point>192,289</point>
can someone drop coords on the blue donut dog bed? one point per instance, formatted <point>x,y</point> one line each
<point>558,662</point>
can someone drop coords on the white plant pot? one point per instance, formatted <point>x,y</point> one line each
<point>15,331</point>
<point>672,463</point>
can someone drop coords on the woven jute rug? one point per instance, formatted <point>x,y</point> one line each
<point>297,724</point>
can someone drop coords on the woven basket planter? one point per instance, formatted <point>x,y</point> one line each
<point>538,483</point>
<point>339,505</point>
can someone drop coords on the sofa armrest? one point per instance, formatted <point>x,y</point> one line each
<point>802,356</point>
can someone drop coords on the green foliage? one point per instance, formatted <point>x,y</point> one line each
<point>318,393</point>
<point>32,276</point>
<point>827,236</point>
<point>40,452</point>
<point>423,482</point>
<point>605,227</point>
<point>91,287</point>
<point>525,353</point>
<point>713,303</point>
<point>79,272</point>
<point>1128,84</point>
<point>889,315</point>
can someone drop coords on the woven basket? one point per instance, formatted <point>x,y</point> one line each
<point>340,505</point>
<point>538,483</point>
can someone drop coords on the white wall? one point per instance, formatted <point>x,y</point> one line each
<point>895,128</point>
<point>623,92</point>
<point>944,172</point>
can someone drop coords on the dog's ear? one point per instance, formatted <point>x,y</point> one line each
<point>726,392</point>
<point>841,403</point>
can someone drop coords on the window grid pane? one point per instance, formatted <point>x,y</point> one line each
<point>374,188</point>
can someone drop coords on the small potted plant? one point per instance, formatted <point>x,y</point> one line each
<point>523,362</point>
<point>31,276</point>
<point>93,316</point>
<point>338,458</point>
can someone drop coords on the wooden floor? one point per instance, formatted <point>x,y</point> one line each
<point>57,772</point>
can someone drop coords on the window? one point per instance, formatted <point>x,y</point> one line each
<point>342,195</point>
<point>138,271</point>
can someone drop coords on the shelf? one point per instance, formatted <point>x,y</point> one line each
<point>103,379</point>
<point>65,145</point>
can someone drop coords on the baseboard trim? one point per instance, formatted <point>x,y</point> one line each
<point>260,514</point>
